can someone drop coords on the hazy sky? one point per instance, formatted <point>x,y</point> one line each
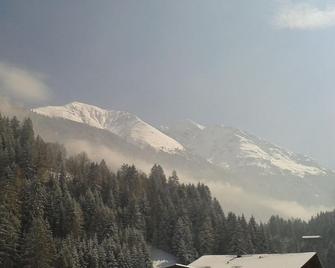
<point>267,67</point>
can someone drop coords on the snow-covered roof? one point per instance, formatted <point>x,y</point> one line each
<point>311,237</point>
<point>293,260</point>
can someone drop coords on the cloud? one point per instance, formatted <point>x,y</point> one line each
<point>304,16</point>
<point>22,85</point>
<point>231,197</point>
<point>236,199</point>
<point>98,152</point>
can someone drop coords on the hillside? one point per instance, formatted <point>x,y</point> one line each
<point>245,173</point>
<point>245,186</point>
<point>126,125</point>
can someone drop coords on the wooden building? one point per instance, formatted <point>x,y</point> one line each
<point>177,265</point>
<point>291,260</point>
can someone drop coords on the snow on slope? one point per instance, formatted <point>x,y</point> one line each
<point>234,149</point>
<point>123,124</point>
<point>277,157</point>
<point>221,146</point>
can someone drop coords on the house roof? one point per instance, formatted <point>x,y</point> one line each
<point>293,260</point>
<point>179,265</point>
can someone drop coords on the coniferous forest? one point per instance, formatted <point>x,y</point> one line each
<point>61,211</point>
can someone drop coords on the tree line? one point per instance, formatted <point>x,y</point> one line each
<point>67,211</point>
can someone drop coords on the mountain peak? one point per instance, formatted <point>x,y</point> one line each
<point>235,149</point>
<point>124,124</point>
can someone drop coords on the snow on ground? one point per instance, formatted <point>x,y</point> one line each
<point>233,149</point>
<point>152,136</point>
<point>278,158</point>
<point>161,258</point>
<point>123,124</point>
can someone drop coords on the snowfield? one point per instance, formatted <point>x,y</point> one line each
<point>123,124</point>
<point>277,157</point>
<point>219,145</point>
<point>232,148</point>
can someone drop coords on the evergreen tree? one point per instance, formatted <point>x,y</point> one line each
<point>9,237</point>
<point>205,239</point>
<point>59,211</point>
<point>182,242</point>
<point>109,247</point>
<point>35,201</point>
<point>39,249</point>
<point>10,218</point>
<point>67,256</point>
<point>252,229</point>
<point>25,154</point>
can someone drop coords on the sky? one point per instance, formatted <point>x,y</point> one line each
<point>266,67</point>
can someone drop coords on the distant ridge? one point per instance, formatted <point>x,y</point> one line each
<point>245,173</point>
<point>232,148</point>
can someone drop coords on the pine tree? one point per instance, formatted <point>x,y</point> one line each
<point>10,218</point>
<point>182,242</point>
<point>219,225</point>
<point>252,229</point>
<point>109,247</point>
<point>205,239</point>
<point>73,216</point>
<point>330,255</point>
<point>58,211</point>
<point>92,253</point>
<point>173,179</point>
<point>39,249</point>
<point>157,177</point>
<point>9,237</point>
<point>67,254</point>
<point>25,155</point>
<point>55,208</point>
<point>246,244</point>
<point>262,241</point>
<point>34,203</point>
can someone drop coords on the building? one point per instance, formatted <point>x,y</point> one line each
<point>177,265</point>
<point>291,260</point>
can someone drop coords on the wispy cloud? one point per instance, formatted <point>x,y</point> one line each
<point>231,197</point>
<point>304,16</point>
<point>22,84</point>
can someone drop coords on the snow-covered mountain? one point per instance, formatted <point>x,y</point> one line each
<point>234,149</point>
<point>221,146</point>
<point>224,147</point>
<point>244,172</point>
<point>124,124</point>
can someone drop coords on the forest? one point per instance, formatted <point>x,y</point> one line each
<point>67,211</point>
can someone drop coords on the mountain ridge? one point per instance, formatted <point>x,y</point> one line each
<point>241,184</point>
<point>226,147</point>
<point>124,124</point>
<point>230,147</point>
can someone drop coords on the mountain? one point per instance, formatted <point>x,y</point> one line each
<point>95,210</point>
<point>233,149</point>
<point>124,124</point>
<point>257,165</point>
<point>245,173</point>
